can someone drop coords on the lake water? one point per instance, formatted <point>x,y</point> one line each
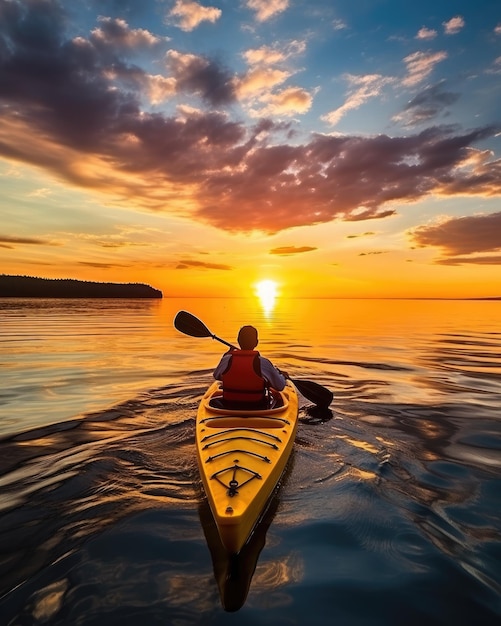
<point>389,512</point>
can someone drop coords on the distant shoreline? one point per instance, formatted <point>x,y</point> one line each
<point>34,287</point>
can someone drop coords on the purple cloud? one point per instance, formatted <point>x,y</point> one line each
<point>74,108</point>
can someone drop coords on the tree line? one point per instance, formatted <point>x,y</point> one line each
<point>33,287</point>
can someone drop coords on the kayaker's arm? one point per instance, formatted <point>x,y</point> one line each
<point>222,365</point>
<point>275,378</point>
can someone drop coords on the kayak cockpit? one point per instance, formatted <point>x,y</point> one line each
<point>276,402</point>
<point>222,415</point>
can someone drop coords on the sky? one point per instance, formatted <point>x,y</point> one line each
<point>342,148</point>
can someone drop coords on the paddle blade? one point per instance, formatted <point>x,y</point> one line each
<point>190,325</point>
<point>319,395</point>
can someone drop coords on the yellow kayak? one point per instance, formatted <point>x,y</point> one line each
<point>242,456</point>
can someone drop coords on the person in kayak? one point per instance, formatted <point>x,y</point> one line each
<point>245,374</point>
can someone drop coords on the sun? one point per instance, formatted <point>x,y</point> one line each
<point>266,291</point>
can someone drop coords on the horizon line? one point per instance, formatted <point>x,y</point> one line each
<point>338,297</point>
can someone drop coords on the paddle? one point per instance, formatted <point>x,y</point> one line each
<point>190,325</point>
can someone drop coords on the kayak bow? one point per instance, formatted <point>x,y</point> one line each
<point>242,455</point>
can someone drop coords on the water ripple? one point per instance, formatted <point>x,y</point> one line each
<point>389,512</point>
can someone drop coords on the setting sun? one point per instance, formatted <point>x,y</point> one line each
<point>266,291</point>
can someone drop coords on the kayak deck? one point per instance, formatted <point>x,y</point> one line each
<point>242,455</point>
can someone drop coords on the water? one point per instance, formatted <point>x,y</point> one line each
<point>389,513</point>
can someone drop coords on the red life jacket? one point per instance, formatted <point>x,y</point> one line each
<point>242,380</point>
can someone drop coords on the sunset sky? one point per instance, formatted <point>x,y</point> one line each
<point>341,148</point>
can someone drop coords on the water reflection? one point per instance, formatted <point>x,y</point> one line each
<point>234,572</point>
<point>394,495</point>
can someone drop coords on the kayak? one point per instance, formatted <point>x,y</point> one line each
<point>242,455</point>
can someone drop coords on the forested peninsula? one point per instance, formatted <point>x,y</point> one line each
<point>32,287</point>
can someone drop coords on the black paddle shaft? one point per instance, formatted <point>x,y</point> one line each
<point>190,325</point>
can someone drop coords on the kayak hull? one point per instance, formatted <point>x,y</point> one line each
<point>242,456</point>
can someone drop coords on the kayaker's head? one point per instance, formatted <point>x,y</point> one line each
<point>247,338</point>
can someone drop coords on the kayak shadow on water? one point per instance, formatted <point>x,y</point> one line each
<point>234,572</point>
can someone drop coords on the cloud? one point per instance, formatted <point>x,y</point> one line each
<point>454,25</point>
<point>28,240</point>
<point>269,55</point>
<point>260,81</point>
<point>201,76</point>
<point>475,260</point>
<point>7,241</point>
<point>366,234</point>
<point>42,192</point>
<point>68,109</point>
<point>182,265</point>
<point>287,102</point>
<point>255,87</point>
<point>266,9</point>
<point>496,67</point>
<point>420,65</point>
<point>103,266</point>
<point>114,241</point>
<point>339,25</point>
<point>159,88</point>
<point>426,33</point>
<point>361,89</point>
<point>462,235</point>
<point>289,250</point>
<point>191,14</point>
<point>426,105</point>
<point>348,178</point>
<point>373,252</point>
<point>497,30</point>
<point>115,33</point>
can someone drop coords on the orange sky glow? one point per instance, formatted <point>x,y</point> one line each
<point>130,152</point>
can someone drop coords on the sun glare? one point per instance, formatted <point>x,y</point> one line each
<point>266,291</point>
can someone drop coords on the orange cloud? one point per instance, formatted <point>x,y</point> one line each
<point>104,266</point>
<point>191,14</point>
<point>426,33</point>
<point>454,25</point>
<point>420,65</point>
<point>260,80</point>
<point>256,84</point>
<point>268,55</point>
<point>7,241</point>
<point>366,234</point>
<point>286,102</point>
<point>186,264</point>
<point>475,260</point>
<point>265,9</point>
<point>288,250</point>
